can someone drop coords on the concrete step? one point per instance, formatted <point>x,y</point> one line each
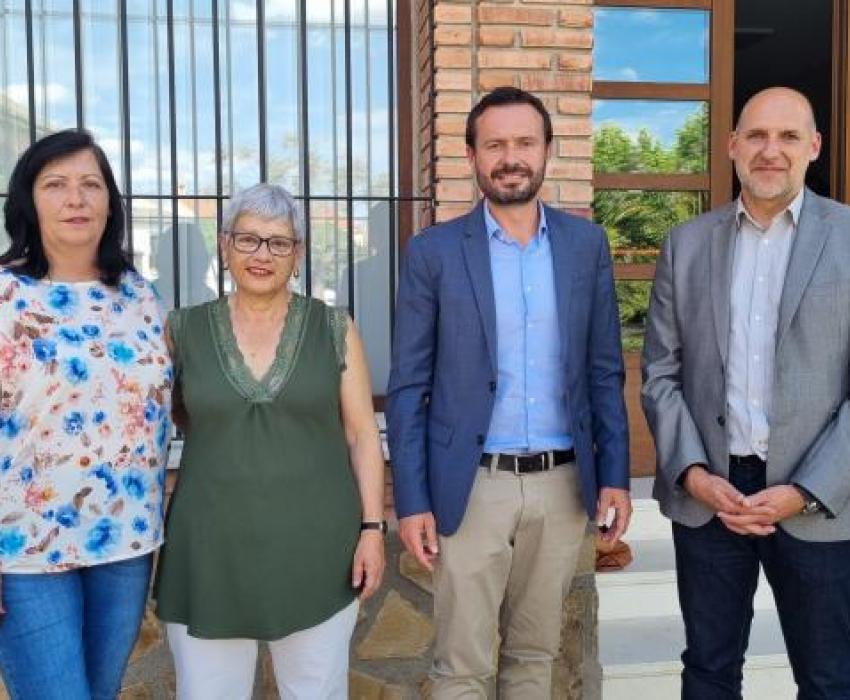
<point>661,639</point>
<point>647,522</point>
<point>641,634</point>
<point>647,587</point>
<point>765,677</point>
<point>641,655</point>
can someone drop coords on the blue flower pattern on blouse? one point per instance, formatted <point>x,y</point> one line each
<point>120,352</point>
<point>84,422</point>
<point>44,350</point>
<point>76,370</point>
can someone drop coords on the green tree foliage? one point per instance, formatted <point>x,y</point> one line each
<point>638,220</point>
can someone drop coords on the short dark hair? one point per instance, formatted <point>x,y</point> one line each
<point>26,252</point>
<point>507,95</point>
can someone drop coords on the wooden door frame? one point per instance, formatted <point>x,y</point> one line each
<point>840,126</point>
<point>722,99</point>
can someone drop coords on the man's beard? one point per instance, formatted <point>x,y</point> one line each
<point>513,195</point>
<point>780,189</point>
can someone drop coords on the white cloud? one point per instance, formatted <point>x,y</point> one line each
<point>55,93</point>
<point>628,73</point>
<point>112,144</point>
<point>243,10</point>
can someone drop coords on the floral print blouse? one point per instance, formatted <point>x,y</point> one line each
<point>85,401</point>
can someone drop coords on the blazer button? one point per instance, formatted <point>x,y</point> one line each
<point>721,421</point>
<point>492,386</point>
<point>479,439</point>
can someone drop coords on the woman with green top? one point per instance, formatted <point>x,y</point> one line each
<point>275,525</point>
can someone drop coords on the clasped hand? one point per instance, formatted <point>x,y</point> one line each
<point>756,514</point>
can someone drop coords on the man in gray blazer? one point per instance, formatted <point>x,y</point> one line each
<point>746,369</point>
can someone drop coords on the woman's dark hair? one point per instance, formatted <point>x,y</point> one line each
<point>507,95</point>
<point>26,252</point>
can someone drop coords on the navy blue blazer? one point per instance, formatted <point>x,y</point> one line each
<point>443,378</point>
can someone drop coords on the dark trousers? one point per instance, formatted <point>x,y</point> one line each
<point>717,572</point>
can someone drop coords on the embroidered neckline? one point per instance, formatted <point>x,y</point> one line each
<point>233,363</point>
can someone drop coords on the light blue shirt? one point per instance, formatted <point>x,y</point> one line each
<point>758,276</point>
<point>530,413</point>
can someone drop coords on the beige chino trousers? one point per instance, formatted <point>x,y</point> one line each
<point>499,585</point>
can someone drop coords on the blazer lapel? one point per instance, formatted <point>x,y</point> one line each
<point>809,240</point>
<point>565,268</point>
<point>720,275</point>
<point>476,252</point>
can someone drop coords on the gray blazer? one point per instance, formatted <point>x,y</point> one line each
<point>685,355</point>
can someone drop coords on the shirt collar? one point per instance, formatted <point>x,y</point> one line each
<point>494,228</point>
<point>795,206</point>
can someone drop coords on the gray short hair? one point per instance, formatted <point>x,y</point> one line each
<point>266,201</point>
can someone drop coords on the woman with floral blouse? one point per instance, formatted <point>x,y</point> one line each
<point>85,386</point>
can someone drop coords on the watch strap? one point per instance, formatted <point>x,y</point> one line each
<point>380,525</point>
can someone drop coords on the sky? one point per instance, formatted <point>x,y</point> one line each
<point>649,45</point>
<point>148,88</point>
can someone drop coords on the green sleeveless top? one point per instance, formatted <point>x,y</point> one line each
<point>265,518</point>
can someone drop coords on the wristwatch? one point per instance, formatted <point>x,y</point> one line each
<point>811,504</point>
<point>380,525</point>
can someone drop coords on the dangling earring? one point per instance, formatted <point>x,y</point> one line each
<point>297,273</point>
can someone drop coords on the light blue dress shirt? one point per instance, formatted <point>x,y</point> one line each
<point>530,413</point>
<point>758,276</point>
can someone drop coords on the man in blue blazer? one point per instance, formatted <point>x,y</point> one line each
<point>506,420</point>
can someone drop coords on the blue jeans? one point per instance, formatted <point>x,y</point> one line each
<point>717,572</point>
<point>67,636</point>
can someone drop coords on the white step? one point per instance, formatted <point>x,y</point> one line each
<point>639,641</point>
<point>647,522</point>
<point>764,677</point>
<point>641,634</point>
<point>647,587</point>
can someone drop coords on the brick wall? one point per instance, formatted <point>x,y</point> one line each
<point>544,46</point>
<point>423,83</point>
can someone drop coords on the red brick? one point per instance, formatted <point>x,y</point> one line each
<point>453,102</point>
<point>446,79</point>
<point>491,79</point>
<point>454,190</point>
<point>576,18</point>
<point>450,211</point>
<point>452,146</point>
<point>452,36</point>
<point>572,126</point>
<point>496,36</point>
<point>452,58</point>
<point>444,13</point>
<point>556,82</point>
<point>514,58</point>
<point>575,104</point>
<point>560,38</point>
<point>549,192</point>
<point>457,168</point>
<point>569,170</point>
<point>576,192</point>
<point>517,16</point>
<point>575,62</point>
<point>575,148</point>
<point>451,124</point>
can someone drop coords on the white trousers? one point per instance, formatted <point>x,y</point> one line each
<point>309,664</point>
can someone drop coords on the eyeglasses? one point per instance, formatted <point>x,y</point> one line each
<point>246,242</point>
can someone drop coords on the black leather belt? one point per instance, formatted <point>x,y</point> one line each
<point>746,461</point>
<point>525,464</point>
